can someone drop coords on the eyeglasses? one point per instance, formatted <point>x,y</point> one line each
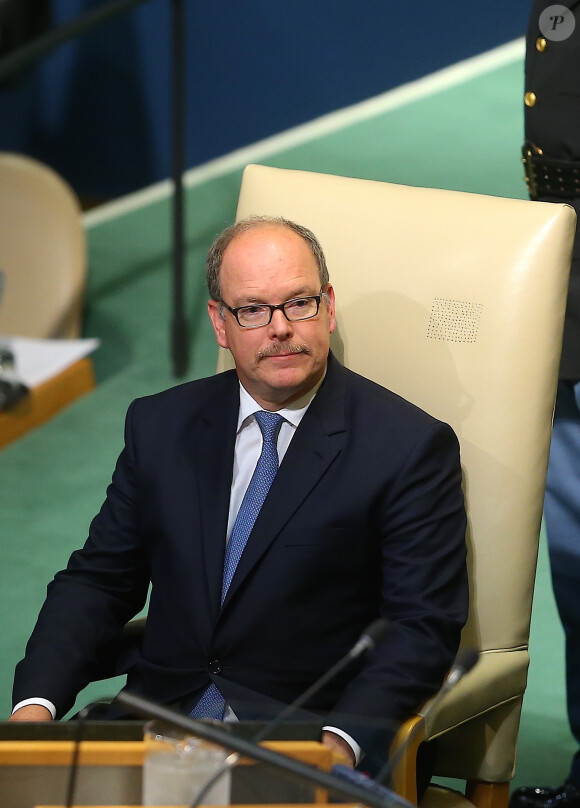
<point>259,314</point>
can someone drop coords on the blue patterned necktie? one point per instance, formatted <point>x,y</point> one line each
<point>211,703</point>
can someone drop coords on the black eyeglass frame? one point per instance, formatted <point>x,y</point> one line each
<point>273,308</point>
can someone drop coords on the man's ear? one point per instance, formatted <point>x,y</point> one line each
<point>218,322</point>
<point>331,308</point>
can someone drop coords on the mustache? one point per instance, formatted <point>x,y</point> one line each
<point>282,348</point>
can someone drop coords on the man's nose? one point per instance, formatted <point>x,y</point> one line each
<point>279,327</point>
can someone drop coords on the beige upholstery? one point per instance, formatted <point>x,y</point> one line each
<point>455,301</point>
<point>42,251</point>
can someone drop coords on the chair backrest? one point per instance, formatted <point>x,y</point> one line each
<point>455,301</point>
<point>42,251</point>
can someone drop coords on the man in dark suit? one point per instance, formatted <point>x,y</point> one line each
<point>552,160</point>
<point>364,518</point>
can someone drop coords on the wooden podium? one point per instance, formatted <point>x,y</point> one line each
<point>36,773</point>
<point>46,400</point>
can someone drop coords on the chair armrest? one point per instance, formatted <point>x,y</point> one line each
<point>499,677</point>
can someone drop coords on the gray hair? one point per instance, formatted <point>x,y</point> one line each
<point>216,252</point>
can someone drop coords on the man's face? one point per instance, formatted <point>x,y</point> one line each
<point>278,362</point>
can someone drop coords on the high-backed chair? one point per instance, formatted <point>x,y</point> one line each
<point>42,251</point>
<point>455,301</point>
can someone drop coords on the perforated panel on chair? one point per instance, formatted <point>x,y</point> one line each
<point>454,320</point>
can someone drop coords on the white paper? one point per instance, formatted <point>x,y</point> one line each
<point>38,360</point>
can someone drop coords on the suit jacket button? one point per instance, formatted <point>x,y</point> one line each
<point>215,666</point>
<point>530,99</point>
<point>541,44</point>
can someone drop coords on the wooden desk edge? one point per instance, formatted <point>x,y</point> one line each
<point>130,753</point>
<point>46,400</point>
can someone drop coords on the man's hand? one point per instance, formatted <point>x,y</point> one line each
<point>339,745</point>
<point>32,712</point>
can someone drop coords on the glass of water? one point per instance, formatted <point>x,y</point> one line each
<point>176,767</point>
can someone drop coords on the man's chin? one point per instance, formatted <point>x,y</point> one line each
<point>286,383</point>
<point>285,376</point>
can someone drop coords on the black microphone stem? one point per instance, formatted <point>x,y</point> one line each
<point>289,767</point>
<point>369,638</point>
<point>271,725</point>
<point>301,700</point>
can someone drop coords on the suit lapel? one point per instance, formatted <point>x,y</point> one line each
<point>317,442</point>
<point>213,459</point>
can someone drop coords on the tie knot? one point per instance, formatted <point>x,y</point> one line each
<point>269,423</point>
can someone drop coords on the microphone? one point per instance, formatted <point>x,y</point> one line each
<point>372,634</point>
<point>466,660</point>
<point>289,767</point>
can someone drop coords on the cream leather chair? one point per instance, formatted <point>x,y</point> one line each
<point>455,301</point>
<point>42,251</point>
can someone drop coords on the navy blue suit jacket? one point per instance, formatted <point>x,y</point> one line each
<point>365,517</point>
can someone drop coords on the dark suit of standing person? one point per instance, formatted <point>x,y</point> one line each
<point>364,518</point>
<point>552,160</point>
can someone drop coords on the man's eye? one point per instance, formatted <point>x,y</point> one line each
<point>300,303</point>
<point>252,311</point>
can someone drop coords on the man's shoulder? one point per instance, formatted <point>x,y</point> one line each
<point>373,398</point>
<point>189,396</point>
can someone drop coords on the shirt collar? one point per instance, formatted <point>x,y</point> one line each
<point>293,413</point>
